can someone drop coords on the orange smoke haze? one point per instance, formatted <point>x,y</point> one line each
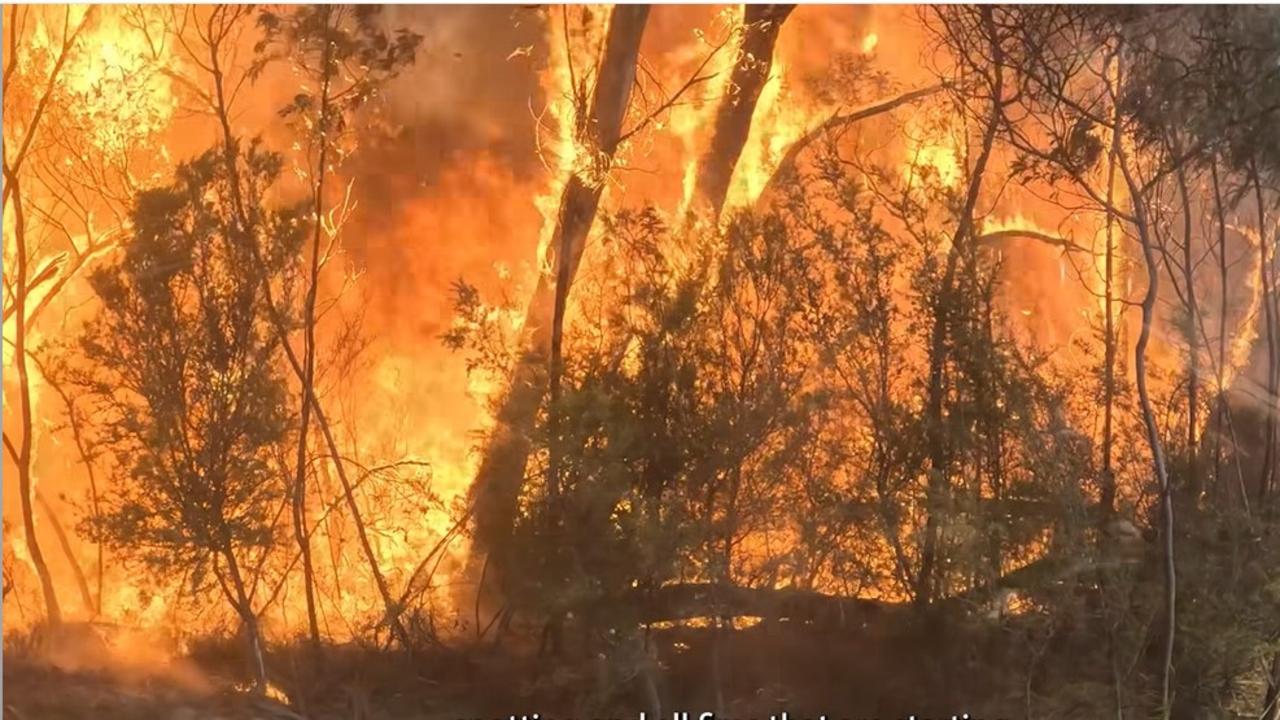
<point>458,178</point>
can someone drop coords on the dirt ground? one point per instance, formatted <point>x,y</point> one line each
<point>76,678</point>
<point>37,691</point>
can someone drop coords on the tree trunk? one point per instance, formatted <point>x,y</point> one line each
<point>501,474</point>
<point>751,67</point>
<point>1221,404</point>
<point>244,608</point>
<point>21,455</point>
<point>1193,344</point>
<point>1153,432</point>
<point>12,191</point>
<point>221,109</point>
<point>935,440</point>
<point>1108,480</point>
<point>78,436</point>
<point>64,542</point>
<point>1268,470</point>
<point>307,378</point>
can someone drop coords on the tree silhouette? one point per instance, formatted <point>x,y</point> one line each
<point>185,373</point>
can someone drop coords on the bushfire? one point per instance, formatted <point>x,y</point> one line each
<point>650,356</point>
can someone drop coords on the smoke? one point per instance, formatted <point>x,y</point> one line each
<point>459,139</point>
<point>132,657</point>
<point>444,183</point>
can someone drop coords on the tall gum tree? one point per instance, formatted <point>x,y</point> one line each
<point>501,473</point>
<point>751,67</point>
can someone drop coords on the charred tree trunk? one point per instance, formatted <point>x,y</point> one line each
<point>501,474</point>
<point>1220,409</point>
<point>1267,475</point>
<point>78,436</point>
<point>1193,344</point>
<point>995,451</point>
<point>751,68</point>
<point>1226,397</point>
<point>1157,453</point>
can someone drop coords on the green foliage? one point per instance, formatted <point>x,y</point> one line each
<point>184,368</point>
<point>345,48</point>
<point>1215,76</point>
<point>744,406</point>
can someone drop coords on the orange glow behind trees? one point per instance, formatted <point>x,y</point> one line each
<point>525,224</point>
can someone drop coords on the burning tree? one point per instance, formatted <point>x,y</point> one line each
<point>349,57</point>
<point>965,446</point>
<point>18,286</point>
<point>184,371</point>
<point>826,383</point>
<point>74,159</point>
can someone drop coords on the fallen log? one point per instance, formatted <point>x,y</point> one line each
<point>691,601</point>
<point>687,601</point>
